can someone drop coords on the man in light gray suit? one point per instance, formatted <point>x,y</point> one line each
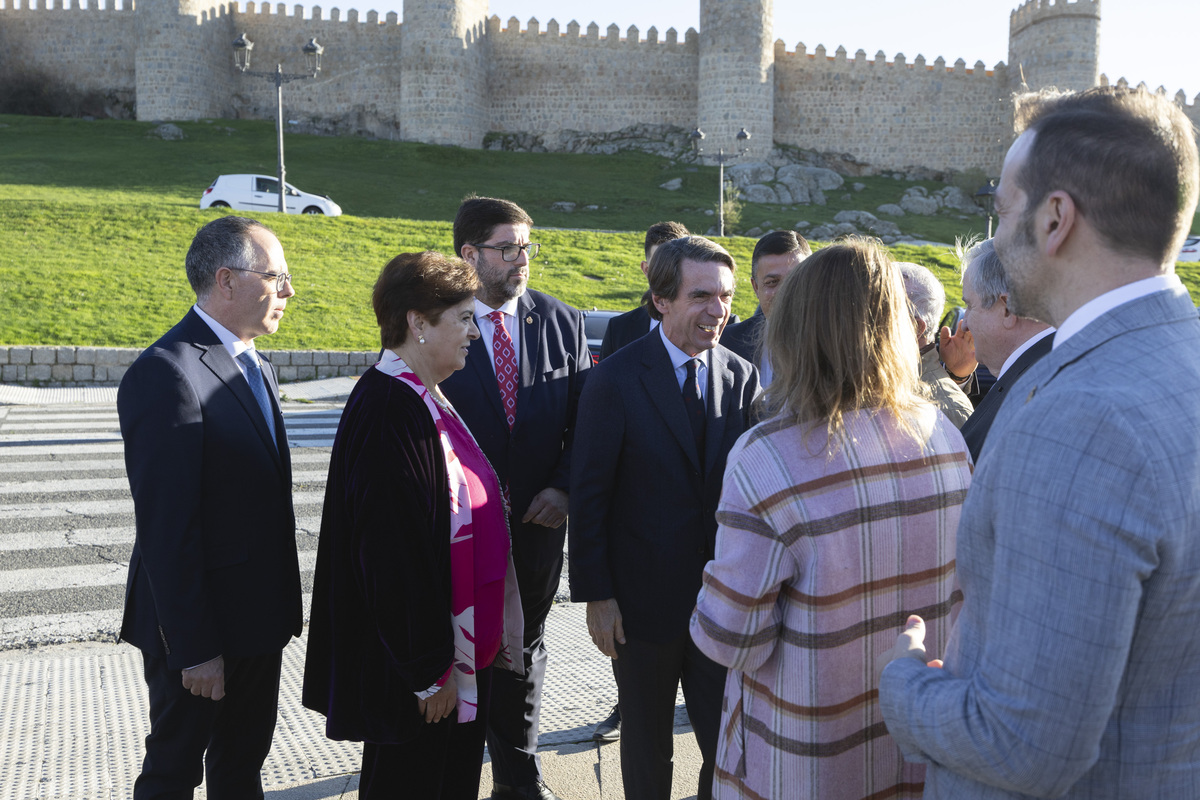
<point>1073,668</point>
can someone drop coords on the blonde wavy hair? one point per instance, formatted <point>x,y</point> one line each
<point>841,338</point>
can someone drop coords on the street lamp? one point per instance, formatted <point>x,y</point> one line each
<point>722,158</point>
<point>312,61</point>
<point>986,197</point>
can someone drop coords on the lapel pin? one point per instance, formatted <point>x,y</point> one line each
<point>529,320</point>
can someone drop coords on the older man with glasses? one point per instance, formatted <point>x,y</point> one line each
<point>518,394</point>
<point>213,594</point>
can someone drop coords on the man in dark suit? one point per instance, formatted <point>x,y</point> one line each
<point>214,586</point>
<point>1003,342</point>
<point>656,423</point>
<point>775,255</point>
<point>636,323</point>
<point>518,394</point>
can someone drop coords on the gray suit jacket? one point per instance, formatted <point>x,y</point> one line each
<point>643,500</point>
<point>1073,668</point>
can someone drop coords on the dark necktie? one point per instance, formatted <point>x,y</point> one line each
<point>254,377</point>
<point>693,403</point>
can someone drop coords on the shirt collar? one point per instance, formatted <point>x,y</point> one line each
<point>677,356</point>
<point>233,344</point>
<point>509,309</point>
<point>1092,310</point>
<point>1028,343</point>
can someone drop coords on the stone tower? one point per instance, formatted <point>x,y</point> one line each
<point>737,73</point>
<point>443,78</point>
<point>1054,44</point>
<point>184,59</point>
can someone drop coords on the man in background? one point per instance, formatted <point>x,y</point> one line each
<point>1005,343</point>
<point>927,297</point>
<point>775,256</point>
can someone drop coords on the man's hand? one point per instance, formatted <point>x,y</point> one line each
<point>911,643</point>
<point>206,680</point>
<point>604,625</point>
<point>439,706</point>
<point>549,508</point>
<point>957,351</point>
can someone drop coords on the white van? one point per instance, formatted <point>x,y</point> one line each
<point>261,193</point>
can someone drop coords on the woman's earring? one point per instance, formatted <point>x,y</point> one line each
<point>421,338</point>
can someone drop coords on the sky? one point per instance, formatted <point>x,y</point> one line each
<point>1156,41</point>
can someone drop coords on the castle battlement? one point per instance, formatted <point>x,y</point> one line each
<point>1034,11</point>
<point>119,6</point>
<point>840,60</point>
<point>453,73</point>
<point>554,34</point>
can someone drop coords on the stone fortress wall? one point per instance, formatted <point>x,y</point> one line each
<point>451,75</point>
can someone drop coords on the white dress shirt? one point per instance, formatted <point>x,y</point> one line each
<point>679,360</point>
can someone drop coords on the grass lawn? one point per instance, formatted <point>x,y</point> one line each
<point>95,218</point>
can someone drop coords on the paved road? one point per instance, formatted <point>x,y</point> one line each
<point>66,516</point>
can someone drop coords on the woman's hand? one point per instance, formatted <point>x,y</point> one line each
<point>438,707</point>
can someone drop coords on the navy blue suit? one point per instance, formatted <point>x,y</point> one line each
<point>553,362</point>
<point>975,429</point>
<point>214,569</point>
<point>745,338</point>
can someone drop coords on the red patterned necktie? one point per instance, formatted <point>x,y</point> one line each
<point>505,358</point>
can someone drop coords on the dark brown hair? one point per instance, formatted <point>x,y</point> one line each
<point>478,216</point>
<point>778,243</point>
<point>1127,157</point>
<point>427,282</point>
<point>662,232</point>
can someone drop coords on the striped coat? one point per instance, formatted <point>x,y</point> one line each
<point>820,558</point>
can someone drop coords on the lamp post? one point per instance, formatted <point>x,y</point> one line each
<point>722,158</point>
<point>986,197</point>
<point>312,60</point>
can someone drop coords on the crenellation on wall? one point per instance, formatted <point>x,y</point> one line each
<point>1036,11</point>
<point>452,73</point>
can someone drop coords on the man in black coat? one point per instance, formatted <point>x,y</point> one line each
<point>1003,342</point>
<point>656,422</point>
<point>518,394</point>
<point>213,594</point>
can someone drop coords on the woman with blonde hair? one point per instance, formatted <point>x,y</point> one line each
<point>836,522</point>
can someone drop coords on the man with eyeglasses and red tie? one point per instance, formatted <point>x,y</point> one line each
<point>518,394</point>
<point>213,594</point>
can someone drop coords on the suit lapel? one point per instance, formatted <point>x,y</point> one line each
<point>281,430</point>
<point>720,387</point>
<point>218,360</point>
<point>532,324</point>
<point>479,361</point>
<point>658,378</point>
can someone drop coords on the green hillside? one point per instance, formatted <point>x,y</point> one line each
<point>95,217</point>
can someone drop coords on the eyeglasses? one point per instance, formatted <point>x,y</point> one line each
<point>281,278</point>
<point>511,252</point>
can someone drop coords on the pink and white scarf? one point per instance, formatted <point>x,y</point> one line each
<point>462,559</point>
